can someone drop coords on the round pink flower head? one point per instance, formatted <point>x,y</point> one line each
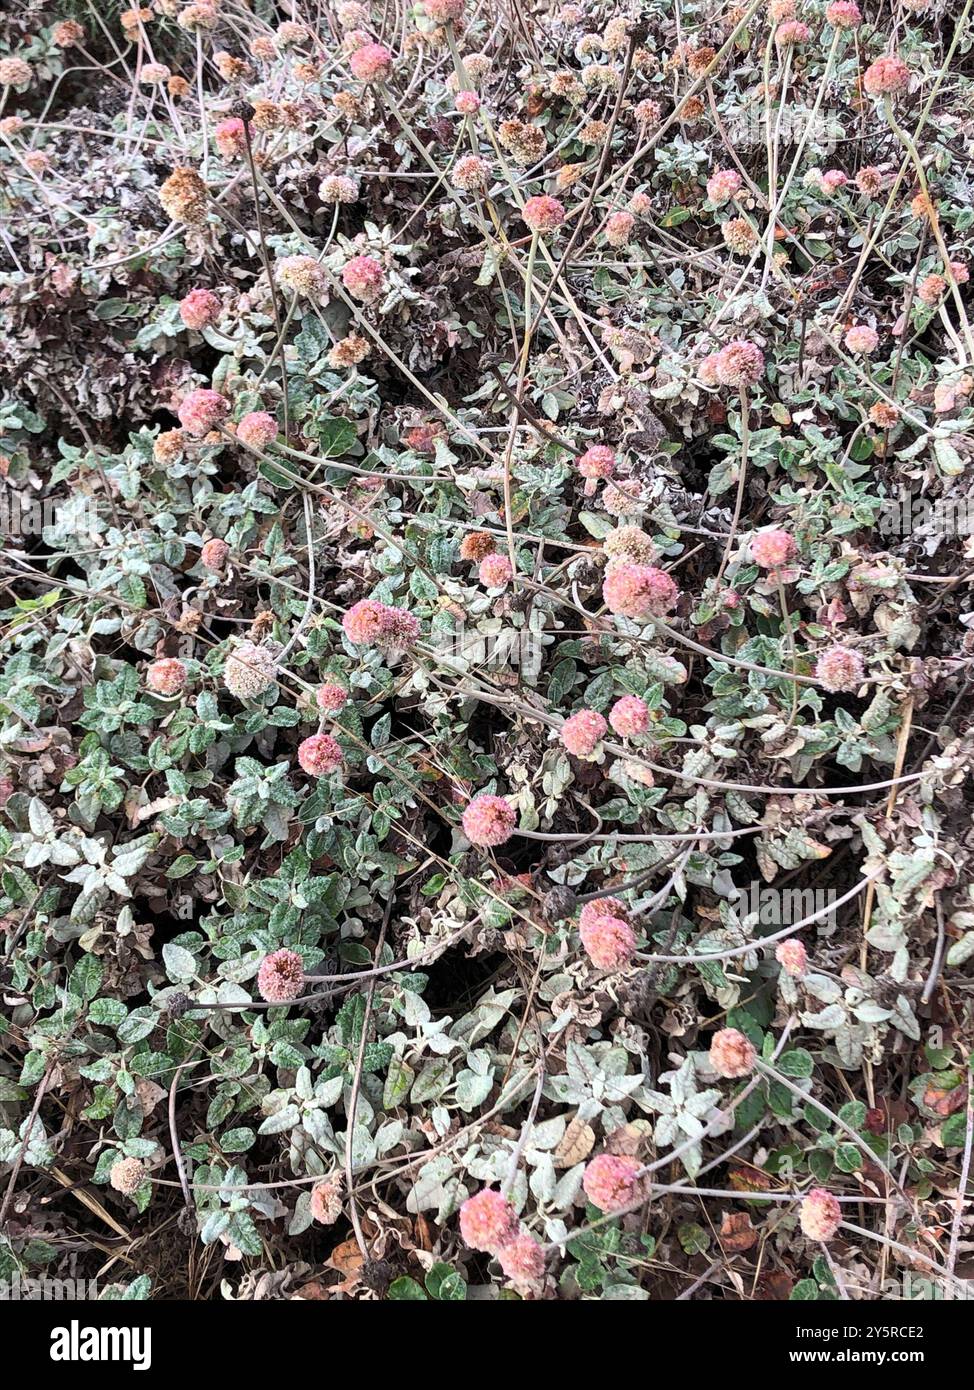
<point>522,1260</point>
<point>886,77</point>
<point>199,309</point>
<point>792,957</point>
<point>302,275</point>
<point>608,941</point>
<point>257,429</point>
<point>468,103</point>
<point>732,1054</point>
<point>739,363</point>
<point>213,555</point>
<point>772,548</point>
<point>443,11</point>
<point>931,289</point>
<point>338,188</point>
<point>598,461</point>
<point>127,1176</point>
<point>862,339</point>
<point>166,676</point>
<point>402,627</point>
<point>326,1202</point>
<point>543,213</point>
<point>723,185</point>
<point>201,411</point>
<point>792,33</point>
<point>610,1182</point>
<point>869,180</point>
<point>639,591</point>
<point>960,271</point>
<point>488,1221</point>
<point>489,820</point>
<point>230,139</point>
<point>319,755</point>
<point>840,668</point>
<point>619,228</point>
<point>820,1215</point>
<point>372,63</point>
<point>364,278</point>
<point>280,977</point>
<point>602,907</point>
<point>843,14</point>
<point>581,733</point>
<point>834,179</point>
<point>366,622</point>
<point>495,571</point>
<point>629,716</point>
<point>331,697</point>
<point>470,173</point>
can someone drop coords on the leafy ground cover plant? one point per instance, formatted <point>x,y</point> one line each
<point>485,664</point>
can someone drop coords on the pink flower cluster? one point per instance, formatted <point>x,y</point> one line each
<point>862,339</point>
<point>364,278</point>
<point>732,1054</point>
<point>489,820</point>
<point>201,411</point>
<point>611,1181</point>
<point>495,571</point>
<point>199,309</point>
<point>369,623</point>
<point>609,941</point>
<point>489,1223</point>
<point>331,697</point>
<point>723,185</point>
<point>792,957</point>
<point>843,14</point>
<point>280,977</point>
<point>886,76</point>
<point>230,138</point>
<point>840,668</point>
<point>581,733</point>
<point>371,63</point>
<point>543,213</point>
<point>619,227</point>
<point>598,461</point>
<point>820,1215</point>
<point>257,429</point>
<point>639,591</point>
<point>739,363</point>
<point>319,755</point>
<point>772,548</point>
<point>629,716</point>
<point>166,676</point>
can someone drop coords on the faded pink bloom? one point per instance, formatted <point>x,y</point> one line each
<point>489,820</point>
<point>468,103</point>
<point>820,1215</point>
<point>230,139</point>
<point>199,309</point>
<point>280,977</point>
<point>495,571</point>
<point>640,204</point>
<point>840,668</point>
<point>723,185</point>
<point>127,1176</point>
<point>619,228</point>
<point>833,179</point>
<point>364,278</point>
<point>213,555</point>
<point>732,1054</point>
<point>67,33</point>
<point>843,14</point>
<point>166,676</point>
<point>402,627</point>
<point>886,76</point>
<point>869,180</point>
<point>331,697</point>
<point>598,461</point>
<point>543,213</point>
<point>249,671</point>
<point>488,1222</point>
<point>960,271</point>
<point>201,411</point>
<point>772,548</point>
<point>471,173</point>
<point>931,290</point>
<point>372,63</point>
<point>302,275</point>
<point>610,1182</point>
<point>522,1260</point>
<point>792,33</point>
<point>15,72</point>
<point>629,716</point>
<point>257,429</point>
<point>862,339</point>
<point>319,755</point>
<point>366,622</point>
<point>609,942</point>
<point>337,188</point>
<point>602,907</point>
<point>792,957</point>
<point>739,363</point>
<point>639,591</point>
<point>326,1202</point>
<point>443,11</point>
<point>582,732</point>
